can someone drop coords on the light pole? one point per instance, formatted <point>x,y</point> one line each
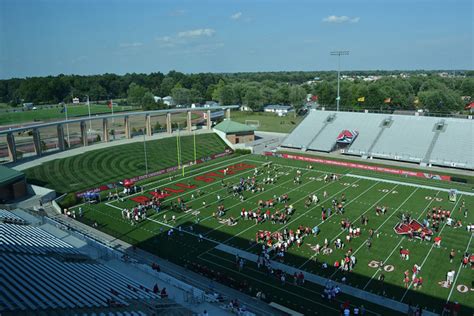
<point>67,126</point>
<point>339,53</point>
<point>89,109</point>
<point>144,149</point>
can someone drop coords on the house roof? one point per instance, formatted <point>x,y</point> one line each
<point>7,175</point>
<point>470,106</point>
<point>229,126</point>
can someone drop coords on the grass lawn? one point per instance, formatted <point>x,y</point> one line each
<point>55,113</point>
<point>116,163</point>
<point>269,122</point>
<point>362,197</point>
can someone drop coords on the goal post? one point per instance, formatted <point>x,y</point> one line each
<point>252,123</point>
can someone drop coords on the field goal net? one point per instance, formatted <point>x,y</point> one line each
<point>252,123</point>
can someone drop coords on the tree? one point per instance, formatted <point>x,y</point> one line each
<point>135,94</point>
<point>181,96</point>
<point>148,102</point>
<point>253,98</point>
<point>166,86</point>
<point>223,93</point>
<point>297,97</point>
<point>441,101</point>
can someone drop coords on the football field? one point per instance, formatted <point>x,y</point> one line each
<point>207,243</point>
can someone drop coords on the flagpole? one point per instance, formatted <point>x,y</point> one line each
<point>112,107</point>
<point>89,109</point>
<point>194,138</point>
<point>177,147</point>
<point>144,149</point>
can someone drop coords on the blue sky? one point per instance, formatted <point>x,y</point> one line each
<point>50,37</point>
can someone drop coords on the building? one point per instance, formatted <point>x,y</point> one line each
<point>75,100</point>
<point>209,104</point>
<point>234,132</point>
<point>168,101</point>
<point>281,110</point>
<point>12,184</point>
<point>470,107</point>
<point>28,106</point>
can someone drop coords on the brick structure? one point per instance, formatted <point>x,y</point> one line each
<point>235,132</point>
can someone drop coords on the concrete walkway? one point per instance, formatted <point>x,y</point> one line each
<point>34,161</point>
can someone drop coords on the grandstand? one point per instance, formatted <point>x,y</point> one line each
<point>416,139</point>
<point>43,274</point>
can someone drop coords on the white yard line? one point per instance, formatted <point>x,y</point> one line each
<point>310,209</point>
<point>378,228</point>
<point>431,249</point>
<point>296,188</point>
<point>398,245</point>
<point>368,209</point>
<point>209,166</point>
<point>459,271</point>
<point>216,202</point>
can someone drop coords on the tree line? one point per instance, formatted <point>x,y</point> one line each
<point>426,90</point>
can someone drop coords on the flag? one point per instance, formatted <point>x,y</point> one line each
<point>109,104</point>
<point>387,100</point>
<point>361,99</point>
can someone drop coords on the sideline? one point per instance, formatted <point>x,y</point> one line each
<point>408,184</point>
<point>363,295</point>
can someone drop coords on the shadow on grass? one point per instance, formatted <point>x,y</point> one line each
<point>186,250</point>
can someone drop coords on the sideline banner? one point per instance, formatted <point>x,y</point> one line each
<point>361,166</point>
<point>154,174</point>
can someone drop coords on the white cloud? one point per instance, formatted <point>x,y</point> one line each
<point>196,33</point>
<point>236,16</point>
<point>186,38</point>
<point>134,44</point>
<point>179,12</point>
<point>340,19</point>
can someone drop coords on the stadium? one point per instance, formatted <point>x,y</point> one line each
<point>295,220</point>
<point>249,158</point>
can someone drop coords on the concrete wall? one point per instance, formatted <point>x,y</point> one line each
<point>240,138</point>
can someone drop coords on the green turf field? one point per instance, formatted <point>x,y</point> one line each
<point>55,113</point>
<point>363,195</point>
<point>103,166</point>
<point>268,122</point>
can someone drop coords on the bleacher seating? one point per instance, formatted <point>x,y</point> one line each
<point>36,278</point>
<point>407,139</point>
<point>454,146</point>
<point>305,131</point>
<point>9,217</point>
<point>29,239</point>
<point>396,137</point>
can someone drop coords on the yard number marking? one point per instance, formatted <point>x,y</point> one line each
<point>376,264</point>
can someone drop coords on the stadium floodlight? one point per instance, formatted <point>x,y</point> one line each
<point>144,150</point>
<point>338,53</point>
<point>89,109</point>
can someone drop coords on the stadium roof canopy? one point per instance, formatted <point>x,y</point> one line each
<point>8,175</point>
<point>229,127</point>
